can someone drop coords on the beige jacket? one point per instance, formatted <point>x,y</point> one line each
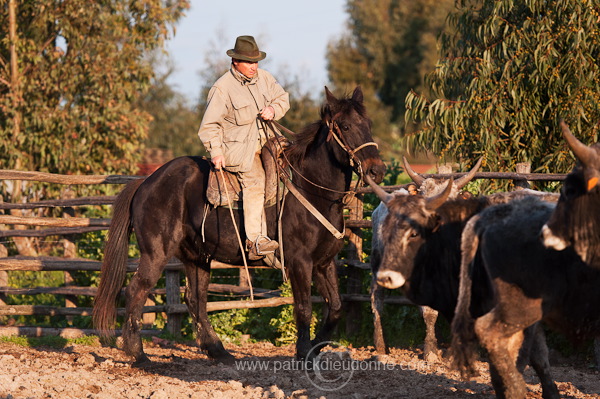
<point>230,126</point>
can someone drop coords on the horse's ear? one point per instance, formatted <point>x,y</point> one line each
<point>357,95</point>
<point>330,97</point>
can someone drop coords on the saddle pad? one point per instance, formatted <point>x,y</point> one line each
<point>270,156</point>
<point>216,193</point>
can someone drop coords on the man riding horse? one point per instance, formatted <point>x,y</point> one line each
<point>232,130</point>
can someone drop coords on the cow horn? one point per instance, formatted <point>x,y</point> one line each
<point>417,178</point>
<point>463,180</point>
<point>436,201</point>
<point>583,153</point>
<point>380,192</point>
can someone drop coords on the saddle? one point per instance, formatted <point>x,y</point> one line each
<point>271,156</point>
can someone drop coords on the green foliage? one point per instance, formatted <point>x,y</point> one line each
<point>226,323</point>
<point>403,327</point>
<point>174,122</point>
<point>389,47</point>
<point>304,108</point>
<point>508,72</point>
<point>284,324</point>
<point>230,325</point>
<point>32,279</point>
<point>68,106</point>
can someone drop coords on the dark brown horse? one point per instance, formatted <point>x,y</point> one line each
<point>166,212</point>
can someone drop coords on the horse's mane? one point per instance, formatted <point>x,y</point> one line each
<point>302,141</point>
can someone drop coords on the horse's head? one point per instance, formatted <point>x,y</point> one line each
<point>350,127</point>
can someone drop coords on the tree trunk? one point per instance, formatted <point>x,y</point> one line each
<point>23,244</point>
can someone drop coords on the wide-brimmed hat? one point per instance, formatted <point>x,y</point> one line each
<point>246,49</point>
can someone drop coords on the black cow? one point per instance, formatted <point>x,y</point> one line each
<point>427,187</point>
<point>421,241</point>
<point>551,277</point>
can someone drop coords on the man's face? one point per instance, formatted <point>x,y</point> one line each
<point>246,68</point>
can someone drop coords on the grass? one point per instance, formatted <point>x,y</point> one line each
<point>55,342</point>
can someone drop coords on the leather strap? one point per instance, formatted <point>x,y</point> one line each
<point>336,233</point>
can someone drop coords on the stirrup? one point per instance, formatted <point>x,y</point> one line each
<point>262,246</point>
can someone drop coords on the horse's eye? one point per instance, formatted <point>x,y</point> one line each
<point>345,128</point>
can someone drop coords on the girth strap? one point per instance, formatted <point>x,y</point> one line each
<point>337,234</point>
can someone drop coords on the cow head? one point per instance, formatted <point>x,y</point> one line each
<point>576,220</point>
<point>430,186</point>
<point>410,219</point>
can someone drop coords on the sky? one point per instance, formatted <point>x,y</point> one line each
<point>294,34</point>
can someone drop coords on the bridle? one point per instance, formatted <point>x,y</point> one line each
<point>355,162</point>
<point>339,138</point>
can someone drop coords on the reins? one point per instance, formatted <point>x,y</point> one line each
<point>348,195</point>
<point>352,153</point>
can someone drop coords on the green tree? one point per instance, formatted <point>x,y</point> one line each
<point>71,73</point>
<point>76,70</point>
<point>389,47</point>
<point>174,122</point>
<point>506,76</point>
<point>304,105</point>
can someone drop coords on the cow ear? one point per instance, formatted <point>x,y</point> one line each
<point>436,201</point>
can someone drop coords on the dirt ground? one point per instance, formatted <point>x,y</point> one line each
<point>181,371</point>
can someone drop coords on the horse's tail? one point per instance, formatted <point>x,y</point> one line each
<point>464,339</point>
<point>114,265</point>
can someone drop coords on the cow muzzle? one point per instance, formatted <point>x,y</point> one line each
<point>390,279</point>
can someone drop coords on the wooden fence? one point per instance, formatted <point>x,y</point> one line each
<point>69,225</point>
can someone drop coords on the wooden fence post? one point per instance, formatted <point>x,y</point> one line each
<point>173,298</point>
<point>70,251</point>
<point>244,282</point>
<point>522,167</point>
<point>354,252</point>
<point>445,168</point>
<point>3,275</point>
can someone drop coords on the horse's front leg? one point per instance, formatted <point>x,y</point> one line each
<point>326,281</point>
<point>300,279</point>
<point>196,298</point>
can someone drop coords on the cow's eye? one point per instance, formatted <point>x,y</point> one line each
<point>414,234</point>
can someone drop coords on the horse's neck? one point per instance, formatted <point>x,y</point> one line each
<point>322,175</point>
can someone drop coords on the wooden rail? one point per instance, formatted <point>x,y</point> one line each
<point>174,309</point>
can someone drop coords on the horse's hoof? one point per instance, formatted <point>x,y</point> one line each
<point>142,362</point>
<point>218,353</point>
<point>224,359</point>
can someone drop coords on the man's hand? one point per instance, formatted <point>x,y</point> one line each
<point>218,161</point>
<point>267,113</point>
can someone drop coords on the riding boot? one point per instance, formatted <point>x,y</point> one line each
<point>260,247</point>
